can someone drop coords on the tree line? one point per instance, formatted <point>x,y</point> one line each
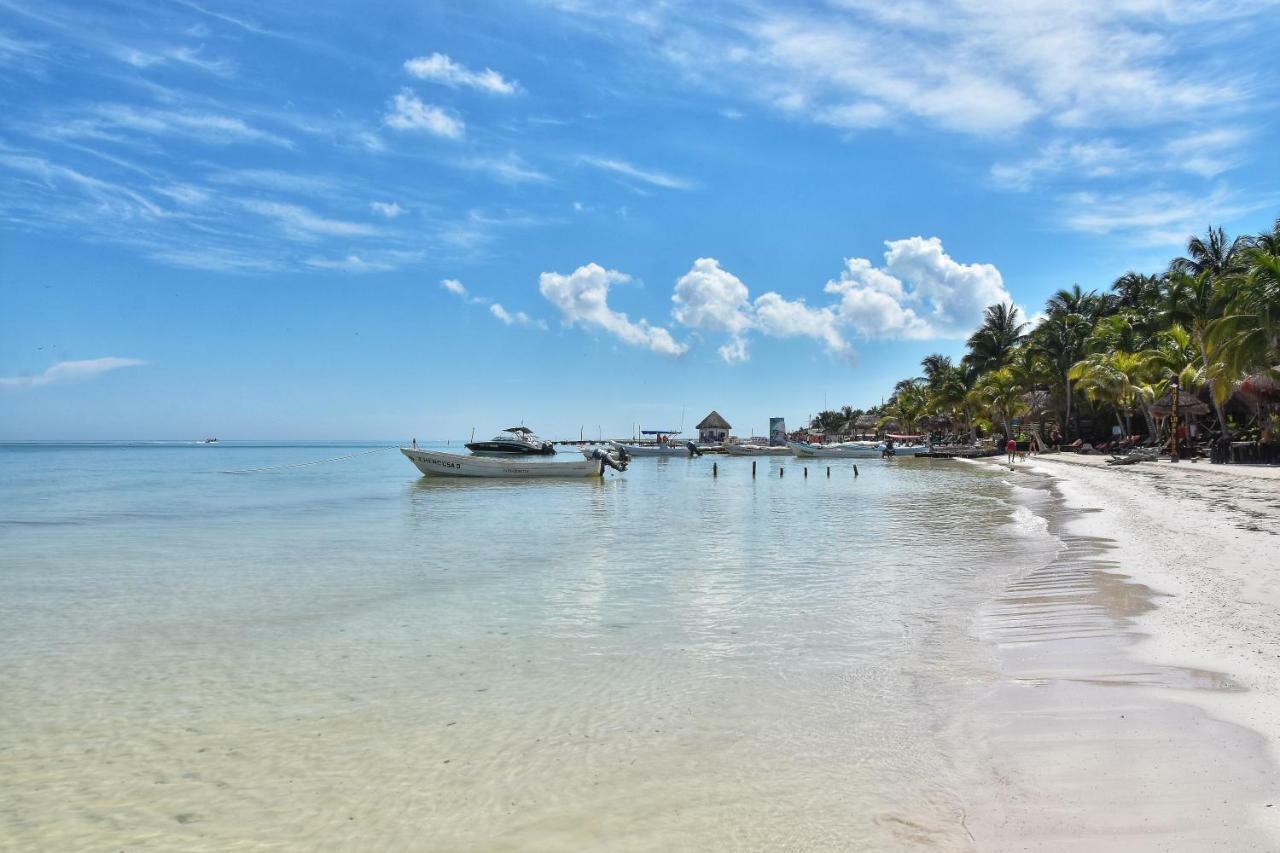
<point>1208,322</point>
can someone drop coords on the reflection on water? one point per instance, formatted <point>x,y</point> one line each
<point>352,655</point>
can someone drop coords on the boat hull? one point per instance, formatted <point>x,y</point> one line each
<point>652,449</point>
<point>805,451</point>
<point>755,450</point>
<point>505,448</point>
<point>435,464</point>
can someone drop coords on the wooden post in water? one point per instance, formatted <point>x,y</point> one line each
<point>781,470</point>
<point>806,472</point>
<point>855,469</point>
<point>828,471</point>
<point>753,469</point>
<point>714,469</point>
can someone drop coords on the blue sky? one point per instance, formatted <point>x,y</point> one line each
<point>272,221</point>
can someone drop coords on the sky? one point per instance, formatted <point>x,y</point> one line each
<point>321,221</point>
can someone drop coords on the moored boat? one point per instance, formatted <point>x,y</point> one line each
<point>513,441</point>
<point>434,463</point>
<point>666,449</point>
<point>756,450</point>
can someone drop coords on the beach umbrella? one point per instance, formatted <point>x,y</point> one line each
<point>1260,388</point>
<point>1188,404</point>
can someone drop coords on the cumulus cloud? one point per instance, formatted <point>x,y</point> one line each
<point>785,318</point>
<point>66,371</point>
<point>708,297</point>
<point>920,292</point>
<point>439,68</point>
<point>408,112</point>
<point>582,298</point>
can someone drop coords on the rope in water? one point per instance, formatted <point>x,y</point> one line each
<point>304,464</point>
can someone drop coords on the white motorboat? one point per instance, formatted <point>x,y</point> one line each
<point>805,450</point>
<point>853,450</point>
<point>433,463</point>
<point>665,449</point>
<point>518,441</point>
<point>756,450</point>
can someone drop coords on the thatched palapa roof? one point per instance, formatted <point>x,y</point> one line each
<point>713,421</point>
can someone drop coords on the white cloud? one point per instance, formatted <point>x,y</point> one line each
<point>454,286</point>
<point>920,292</point>
<point>654,178</point>
<point>439,68</point>
<point>191,57</point>
<point>209,128</point>
<point>519,318</point>
<point>408,112</point>
<point>1156,218</point>
<point>708,297</point>
<point>389,209</point>
<point>351,264</point>
<point>783,318</point>
<point>582,298</point>
<point>303,224</point>
<point>509,169</point>
<point>66,371</point>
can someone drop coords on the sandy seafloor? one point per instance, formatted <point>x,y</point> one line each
<point>931,656</point>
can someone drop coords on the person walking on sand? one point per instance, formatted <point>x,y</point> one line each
<point>1011,447</point>
<point>415,444</point>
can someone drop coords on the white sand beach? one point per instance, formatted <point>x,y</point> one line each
<point>1140,707</point>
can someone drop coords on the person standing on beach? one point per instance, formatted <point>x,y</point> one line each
<point>1011,447</point>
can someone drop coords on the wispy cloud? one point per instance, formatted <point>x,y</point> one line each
<point>452,285</point>
<point>110,121</point>
<point>68,371</point>
<point>304,224</point>
<point>651,177</point>
<point>389,209</point>
<point>439,68</point>
<point>1156,218</point>
<point>191,57</point>
<point>509,169</point>
<point>408,112</point>
<point>518,318</point>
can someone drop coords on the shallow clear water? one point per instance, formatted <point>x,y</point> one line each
<point>348,655</point>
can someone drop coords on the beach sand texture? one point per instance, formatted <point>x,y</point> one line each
<point>1139,709</point>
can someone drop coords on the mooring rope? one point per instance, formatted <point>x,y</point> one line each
<point>304,464</point>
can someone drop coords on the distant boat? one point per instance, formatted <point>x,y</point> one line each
<point>852,450</point>
<point>433,463</point>
<point>756,450</point>
<point>517,441</point>
<point>664,449</point>
<point>210,441</point>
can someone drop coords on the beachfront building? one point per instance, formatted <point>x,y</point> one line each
<point>713,429</point>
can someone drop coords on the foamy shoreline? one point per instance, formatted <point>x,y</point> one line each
<point>1188,574</point>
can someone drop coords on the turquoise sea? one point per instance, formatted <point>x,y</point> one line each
<point>349,656</point>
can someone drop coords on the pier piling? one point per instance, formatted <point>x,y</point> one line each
<point>781,471</point>
<point>828,471</point>
<point>753,469</point>
<point>806,472</point>
<point>715,469</point>
<point>855,469</point>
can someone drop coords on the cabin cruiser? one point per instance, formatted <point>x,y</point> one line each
<point>513,441</point>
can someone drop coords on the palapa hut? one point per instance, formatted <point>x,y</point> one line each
<point>865,424</point>
<point>713,429</point>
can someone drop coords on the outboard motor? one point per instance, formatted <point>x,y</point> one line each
<point>616,462</point>
<point>693,448</point>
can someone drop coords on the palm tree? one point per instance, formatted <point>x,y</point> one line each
<point>1061,341</point>
<point>1248,333</point>
<point>1002,395</point>
<point>990,344</point>
<point>1116,378</point>
<point>949,393</point>
<point>1196,300</point>
<point>1212,254</point>
<point>935,366</point>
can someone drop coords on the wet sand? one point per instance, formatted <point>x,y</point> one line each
<point>1138,707</point>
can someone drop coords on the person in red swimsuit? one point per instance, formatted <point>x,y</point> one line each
<point>1011,447</point>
